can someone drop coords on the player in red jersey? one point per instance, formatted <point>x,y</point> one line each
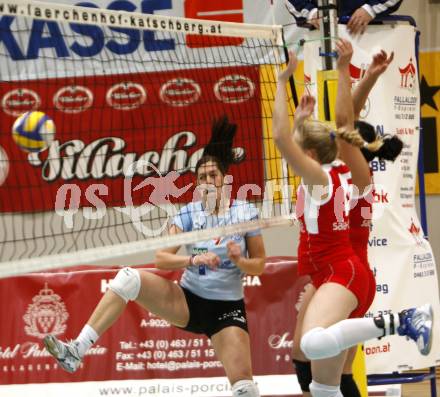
<point>363,196</point>
<point>325,251</point>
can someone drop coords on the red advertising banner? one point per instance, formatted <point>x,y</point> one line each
<point>105,123</point>
<point>139,345</point>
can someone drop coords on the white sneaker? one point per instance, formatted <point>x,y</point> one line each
<point>66,353</point>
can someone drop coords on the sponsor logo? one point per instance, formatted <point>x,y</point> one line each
<point>378,242</point>
<point>105,157</point>
<point>378,165</point>
<point>46,314</point>
<point>424,265</point>
<point>98,39</point>
<point>340,226</point>
<point>234,88</point>
<point>357,73</point>
<point>423,258</point>
<point>416,232</point>
<point>283,341</point>
<point>382,288</point>
<point>234,314</point>
<point>73,99</point>
<point>408,76</point>
<point>251,281</point>
<point>380,196</point>
<point>19,101</point>
<point>4,166</point>
<point>367,223</point>
<point>218,10</point>
<point>126,96</point>
<point>405,131</point>
<point>180,92</point>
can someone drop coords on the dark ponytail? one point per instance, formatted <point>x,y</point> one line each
<point>219,148</point>
<point>390,148</point>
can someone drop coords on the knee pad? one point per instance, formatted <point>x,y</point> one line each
<point>348,386</point>
<point>319,343</point>
<point>320,390</point>
<point>245,388</point>
<point>126,284</point>
<point>303,373</point>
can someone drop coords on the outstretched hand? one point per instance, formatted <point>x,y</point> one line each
<point>380,63</point>
<point>305,108</point>
<point>345,52</point>
<point>284,75</point>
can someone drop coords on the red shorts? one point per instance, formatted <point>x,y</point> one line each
<point>371,290</point>
<point>353,275</point>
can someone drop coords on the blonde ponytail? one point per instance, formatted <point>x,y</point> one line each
<point>354,138</point>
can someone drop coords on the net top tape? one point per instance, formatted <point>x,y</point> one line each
<point>91,255</point>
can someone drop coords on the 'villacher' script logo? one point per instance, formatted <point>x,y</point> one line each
<point>105,158</point>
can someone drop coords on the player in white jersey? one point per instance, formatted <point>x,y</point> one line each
<point>209,299</point>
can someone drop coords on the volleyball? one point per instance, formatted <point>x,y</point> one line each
<point>33,131</point>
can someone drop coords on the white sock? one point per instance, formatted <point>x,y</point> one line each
<point>355,330</point>
<point>320,390</point>
<point>86,338</point>
<point>245,388</point>
<point>320,343</point>
<point>358,330</point>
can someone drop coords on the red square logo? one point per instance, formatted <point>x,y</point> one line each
<point>217,10</point>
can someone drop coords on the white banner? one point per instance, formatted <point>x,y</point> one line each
<point>400,257</point>
<point>269,385</point>
<point>50,39</point>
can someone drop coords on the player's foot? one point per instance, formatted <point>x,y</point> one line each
<point>66,353</point>
<point>416,324</point>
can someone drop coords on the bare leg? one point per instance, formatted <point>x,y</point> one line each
<point>322,312</point>
<point>232,347</point>
<point>329,371</point>
<point>164,298</point>
<point>157,294</point>
<point>348,366</point>
<point>297,353</point>
<point>108,310</point>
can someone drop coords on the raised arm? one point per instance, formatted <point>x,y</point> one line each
<point>378,66</point>
<point>344,112</point>
<point>351,155</point>
<point>301,164</point>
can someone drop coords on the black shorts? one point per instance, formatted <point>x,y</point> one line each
<point>209,316</point>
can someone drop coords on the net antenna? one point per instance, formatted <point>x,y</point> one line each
<point>132,97</point>
<point>328,20</point>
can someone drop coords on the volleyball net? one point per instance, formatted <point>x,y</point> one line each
<point>132,97</point>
